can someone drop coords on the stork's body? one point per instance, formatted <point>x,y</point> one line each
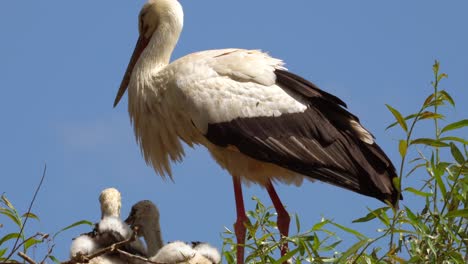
<point>259,122</point>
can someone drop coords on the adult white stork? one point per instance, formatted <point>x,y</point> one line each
<point>260,122</point>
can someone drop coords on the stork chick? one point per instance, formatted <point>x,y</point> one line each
<point>109,230</point>
<point>178,252</point>
<point>145,216</point>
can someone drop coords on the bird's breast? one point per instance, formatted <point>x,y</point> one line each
<point>159,121</point>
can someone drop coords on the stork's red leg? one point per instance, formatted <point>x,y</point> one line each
<point>239,226</point>
<point>283,216</point>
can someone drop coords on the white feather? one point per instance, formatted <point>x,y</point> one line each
<point>83,244</point>
<point>107,260</point>
<point>364,135</point>
<point>114,224</point>
<point>174,252</point>
<point>208,252</point>
<point>221,85</point>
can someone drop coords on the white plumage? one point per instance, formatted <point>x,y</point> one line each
<point>208,251</point>
<point>83,244</point>
<point>260,122</point>
<point>179,252</point>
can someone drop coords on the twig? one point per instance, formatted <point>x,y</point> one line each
<point>26,258</point>
<point>137,257</point>
<point>15,248</point>
<point>49,252</point>
<point>186,258</point>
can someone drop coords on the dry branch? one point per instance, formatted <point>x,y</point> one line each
<point>26,258</point>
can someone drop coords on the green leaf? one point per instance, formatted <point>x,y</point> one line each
<point>458,213</point>
<point>398,117</point>
<point>430,243</point>
<point>287,256</point>
<point>461,140</point>
<point>352,250</point>
<point>319,225</point>
<point>316,243</point>
<point>8,237</point>
<point>421,116</point>
<point>417,192</point>
<point>415,168</point>
<point>441,76</point>
<point>30,215</point>
<point>447,97</point>
<point>82,222</point>
<point>406,118</point>
<point>411,215</point>
<point>371,215</point>
<point>349,230</point>
<point>12,216</point>
<point>430,115</point>
<point>402,147</point>
<point>440,183</point>
<point>456,153</point>
<point>429,142</point>
<point>428,100</point>
<point>54,259</point>
<point>331,246</point>
<point>7,202</point>
<point>31,242</point>
<point>436,102</point>
<point>2,252</point>
<point>455,125</point>
<point>229,258</point>
<point>298,224</point>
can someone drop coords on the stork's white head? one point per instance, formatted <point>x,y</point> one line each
<point>110,202</point>
<point>160,23</point>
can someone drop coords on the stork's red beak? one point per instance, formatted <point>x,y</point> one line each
<point>139,47</point>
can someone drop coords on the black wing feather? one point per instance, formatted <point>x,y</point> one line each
<point>320,142</point>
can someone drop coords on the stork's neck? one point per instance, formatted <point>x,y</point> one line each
<point>157,53</point>
<point>153,239</point>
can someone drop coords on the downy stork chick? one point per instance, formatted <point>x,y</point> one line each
<point>109,230</point>
<point>259,121</point>
<point>145,216</point>
<point>84,244</point>
<point>207,251</point>
<point>110,202</point>
<point>178,252</point>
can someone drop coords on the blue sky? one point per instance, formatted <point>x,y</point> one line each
<point>61,63</point>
